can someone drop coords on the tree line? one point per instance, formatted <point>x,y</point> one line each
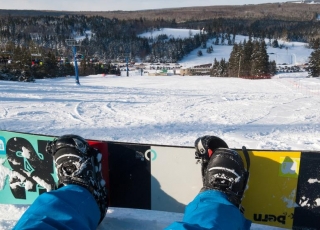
<point>289,11</point>
<point>247,60</point>
<point>110,39</point>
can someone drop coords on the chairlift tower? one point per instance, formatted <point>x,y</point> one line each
<point>73,43</point>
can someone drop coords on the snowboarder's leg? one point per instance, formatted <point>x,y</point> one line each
<point>224,182</point>
<point>80,164</point>
<point>211,210</point>
<point>70,207</point>
<point>81,195</point>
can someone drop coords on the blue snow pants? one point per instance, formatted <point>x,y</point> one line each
<point>70,207</point>
<point>211,210</point>
<point>73,207</point>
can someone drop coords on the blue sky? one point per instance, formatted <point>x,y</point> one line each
<point>110,5</point>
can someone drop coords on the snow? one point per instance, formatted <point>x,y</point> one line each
<point>280,113</point>
<point>171,33</point>
<point>87,33</point>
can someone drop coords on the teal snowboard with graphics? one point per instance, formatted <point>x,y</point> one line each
<point>26,169</point>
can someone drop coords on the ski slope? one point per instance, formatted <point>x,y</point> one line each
<point>292,53</point>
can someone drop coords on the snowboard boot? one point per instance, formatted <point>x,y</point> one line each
<point>203,154</point>
<point>79,164</point>
<point>225,172</point>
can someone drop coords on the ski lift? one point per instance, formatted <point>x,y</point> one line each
<point>35,53</point>
<point>60,54</point>
<point>82,52</point>
<point>36,59</point>
<point>79,56</point>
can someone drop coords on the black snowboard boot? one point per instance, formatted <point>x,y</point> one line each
<point>225,172</point>
<point>202,146</point>
<point>80,164</point>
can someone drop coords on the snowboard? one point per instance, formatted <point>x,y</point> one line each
<point>283,188</point>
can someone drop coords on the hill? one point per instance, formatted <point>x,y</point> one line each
<point>283,11</point>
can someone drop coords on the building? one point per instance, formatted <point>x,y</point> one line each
<point>196,70</point>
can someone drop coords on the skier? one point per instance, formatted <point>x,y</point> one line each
<point>80,202</point>
<point>218,205</point>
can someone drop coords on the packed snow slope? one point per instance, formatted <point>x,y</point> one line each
<point>281,113</point>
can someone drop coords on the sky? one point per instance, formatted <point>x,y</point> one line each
<point>111,5</point>
<point>281,113</point>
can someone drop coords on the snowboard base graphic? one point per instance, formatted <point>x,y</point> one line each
<point>283,188</point>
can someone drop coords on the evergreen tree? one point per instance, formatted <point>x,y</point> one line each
<point>222,39</point>
<point>260,60</point>
<point>272,68</point>
<point>214,70</point>
<point>223,68</point>
<point>50,65</point>
<point>210,49</point>
<point>229,42</point>
<point>315,43</point>
<point>234,60</point>
<point>217,41</point>
<point>275,43</point>
<point>245,64</point>
<point>219,69</point>
<point>314,63</point>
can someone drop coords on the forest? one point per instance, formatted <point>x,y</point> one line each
<point>33,43</point>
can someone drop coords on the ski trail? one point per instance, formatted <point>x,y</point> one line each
<point>278,120</point>
<point>3,118</point>
<point>109,107</point>
<point>77,111</point>
<point>5,113</point>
